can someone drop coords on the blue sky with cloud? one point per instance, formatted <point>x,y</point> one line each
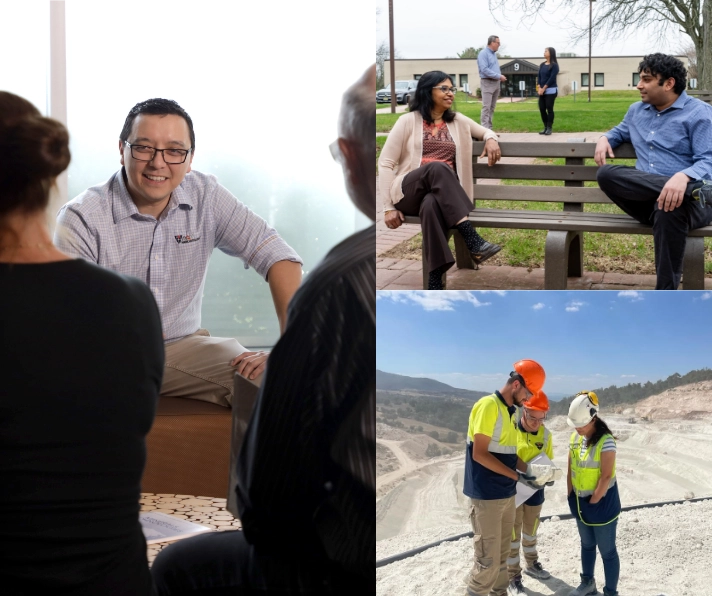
<point>584,340</point>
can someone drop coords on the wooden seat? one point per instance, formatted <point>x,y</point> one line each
<point>564,242</point>
<point>188,449</point>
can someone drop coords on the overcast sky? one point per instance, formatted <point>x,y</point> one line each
<point>584,340</point>
<point>428,29</point>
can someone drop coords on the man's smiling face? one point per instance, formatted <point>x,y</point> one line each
<point>151,183</point>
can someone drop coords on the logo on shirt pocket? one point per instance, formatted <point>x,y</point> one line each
<point>185,238</point>
<point>539,445</point>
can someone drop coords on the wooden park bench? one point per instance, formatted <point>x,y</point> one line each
<point>563,255</point>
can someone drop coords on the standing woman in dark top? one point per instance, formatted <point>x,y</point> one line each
<point>81,368</point>
<point>547,89</point>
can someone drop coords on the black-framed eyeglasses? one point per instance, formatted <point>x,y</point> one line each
<point>446,89</point>
<point>146,153</point>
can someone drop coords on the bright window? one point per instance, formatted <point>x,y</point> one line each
<point>265,139</point>
<point>598,79</point>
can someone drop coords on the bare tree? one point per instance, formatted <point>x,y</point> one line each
<point>689,51</point>
<point>614,17</point>
<point>383,53</point>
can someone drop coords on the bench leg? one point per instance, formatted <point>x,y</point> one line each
<point>575,240</point>
<point>693,265</point>
<point>556,258</point>
<point>463,258</point>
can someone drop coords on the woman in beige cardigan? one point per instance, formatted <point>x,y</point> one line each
<point>425,169</point>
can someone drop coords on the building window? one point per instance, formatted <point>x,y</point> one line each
<point>584,79</point>
<point>463,80</point>
<point>417,77</point>
<point>453,78</point>
<point>636,79</point>
<point>598,79</point>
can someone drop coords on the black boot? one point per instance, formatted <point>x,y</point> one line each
<point>547,130</point>
<point>543,132</point>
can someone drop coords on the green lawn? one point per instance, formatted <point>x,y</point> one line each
<point>605,111</point>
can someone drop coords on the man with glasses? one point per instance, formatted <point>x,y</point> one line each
<point>533,439</point>
<point>491,475</point>
<point>490,78</point>
<point>156,220</point>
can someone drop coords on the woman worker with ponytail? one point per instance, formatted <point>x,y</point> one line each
<point>593,492</point>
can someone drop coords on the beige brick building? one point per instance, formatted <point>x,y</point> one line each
<point>607,72</point>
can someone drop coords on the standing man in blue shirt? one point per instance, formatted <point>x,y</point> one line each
<point>490,78</point>
<point>670,187</point>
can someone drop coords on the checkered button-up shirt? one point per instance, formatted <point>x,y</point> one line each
<point>170,253</point>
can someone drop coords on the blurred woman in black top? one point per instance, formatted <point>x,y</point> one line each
<point>81,368</point>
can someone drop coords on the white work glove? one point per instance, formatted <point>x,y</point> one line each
<point>544,473</point>
<point>529,481</point>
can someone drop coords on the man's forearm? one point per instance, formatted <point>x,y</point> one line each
<point>284,278</point>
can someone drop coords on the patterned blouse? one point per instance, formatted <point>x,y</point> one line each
<point>438,144</point>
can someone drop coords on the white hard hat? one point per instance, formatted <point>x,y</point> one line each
<point>582,409</point>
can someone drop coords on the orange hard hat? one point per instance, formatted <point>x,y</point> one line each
<point>538,402</point>
<point>532,373</point>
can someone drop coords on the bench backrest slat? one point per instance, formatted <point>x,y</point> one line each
<point>544,149</point>
<point>573,194</point>
<point>556,194</point>
<point>535,172</point>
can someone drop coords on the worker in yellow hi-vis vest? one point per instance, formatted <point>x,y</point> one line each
<point>533,439</point>
<point>593,492</point>
<point>491,465</point>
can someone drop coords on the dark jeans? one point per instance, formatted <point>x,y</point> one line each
<point>546,108</point>
<point>636,193</point>
<point>223,563</point>
<point>433,192</point>
<point>605,538</point>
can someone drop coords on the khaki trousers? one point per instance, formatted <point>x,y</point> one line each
<point>198,367</point>
<point>492,523</point>
<point>490,92</point>
<point>526,523</point>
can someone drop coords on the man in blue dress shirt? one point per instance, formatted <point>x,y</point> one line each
<point>670,187</point>
<point>490,78</point>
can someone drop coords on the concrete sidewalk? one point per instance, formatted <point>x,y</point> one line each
<point>404,274</point>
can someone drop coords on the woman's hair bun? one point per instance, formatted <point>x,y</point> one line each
<point>34,150</point>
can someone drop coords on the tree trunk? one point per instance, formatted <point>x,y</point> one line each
<point>704,52</point>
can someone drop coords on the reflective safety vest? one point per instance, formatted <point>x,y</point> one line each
<point>586,470</point>
<point>504,435</point>
<point>528,443</point>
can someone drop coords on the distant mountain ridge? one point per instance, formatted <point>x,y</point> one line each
<point>391,382</point>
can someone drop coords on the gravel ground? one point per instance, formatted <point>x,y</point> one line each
<point>664,551</point>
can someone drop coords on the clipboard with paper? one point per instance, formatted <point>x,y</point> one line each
<point>524,491</point>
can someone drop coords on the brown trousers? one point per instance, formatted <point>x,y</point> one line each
<point>433,192</point>
<point>198,367</point>
<point>492,523</point>
<point>526,523</point>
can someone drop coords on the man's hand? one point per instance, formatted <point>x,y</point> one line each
<point>502,78</point>
<point>529,481</point>
<point>673,192</point>
<point>540,91</point>
<point>603,150</point>
<point>250,364</point>
<point>492,151</point>
<point>393,219</point>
